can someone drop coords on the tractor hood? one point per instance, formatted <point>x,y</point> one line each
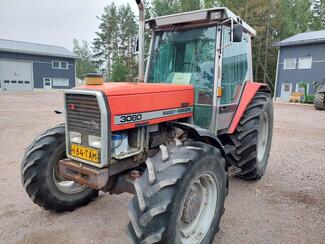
<point>151,103</point>
<point>131,88</point>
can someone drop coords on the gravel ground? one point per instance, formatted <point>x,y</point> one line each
<point>286,206</point>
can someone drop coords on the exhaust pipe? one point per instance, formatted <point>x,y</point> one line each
<point>141,39</point>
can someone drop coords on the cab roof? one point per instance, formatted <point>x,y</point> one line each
<point>198,17</point>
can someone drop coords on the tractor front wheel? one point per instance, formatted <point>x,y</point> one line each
<point>253,137</point>
<point>319,101</point>
<point>40,174</point>
<point>180,197</point>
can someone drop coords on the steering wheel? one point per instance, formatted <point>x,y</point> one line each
<point>181,66</point>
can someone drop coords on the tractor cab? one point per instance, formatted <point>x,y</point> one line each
<point>208,49</point>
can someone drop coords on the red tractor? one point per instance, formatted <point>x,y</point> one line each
<point>172,139</point>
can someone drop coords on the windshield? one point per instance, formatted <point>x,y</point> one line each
<point>184,57</point>
<point>187,57</point>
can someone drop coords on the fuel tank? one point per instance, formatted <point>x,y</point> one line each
<point>136,104</point>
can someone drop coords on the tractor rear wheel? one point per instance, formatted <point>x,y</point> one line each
<point>253,137</point>
<point>180,197</point>
<point>41,178</point>
<point>319,101</point>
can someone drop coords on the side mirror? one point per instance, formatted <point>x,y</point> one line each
<point>237,33</point>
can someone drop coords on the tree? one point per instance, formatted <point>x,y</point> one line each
<point>119,70</point>
<point>84,63</point>
<point>127,30</point>
<point>115,41</point>
<point>210,3</point>
<point>105,44</point>
<point>189,5</point>
<point>165,7</point>
<point>318,19</point>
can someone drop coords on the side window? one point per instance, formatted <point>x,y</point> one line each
<point>234,67</point>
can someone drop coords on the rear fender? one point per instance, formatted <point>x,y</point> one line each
<point>250,90</point>
<point>199,134</point>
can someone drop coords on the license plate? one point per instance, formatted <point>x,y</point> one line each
<point>84,153</point>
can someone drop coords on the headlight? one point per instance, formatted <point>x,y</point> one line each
<point>94,141</point>
<point>75,137</point>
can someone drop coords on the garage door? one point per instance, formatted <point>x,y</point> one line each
<point>16,76</point>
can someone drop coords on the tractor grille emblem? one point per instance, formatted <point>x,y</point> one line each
<point>72,107</point>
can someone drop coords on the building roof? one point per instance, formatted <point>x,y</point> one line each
<point>304,38</point>
<point>35,49</point>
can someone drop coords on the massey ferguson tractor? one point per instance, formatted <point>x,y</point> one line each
<point>193,118</point>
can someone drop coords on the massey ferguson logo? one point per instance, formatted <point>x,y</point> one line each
<point>72,107</point>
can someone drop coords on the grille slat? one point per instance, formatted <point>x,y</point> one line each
<point>86,112</point>
<point>86,108</point>
<point>84,117</point>
<point>94,125</point>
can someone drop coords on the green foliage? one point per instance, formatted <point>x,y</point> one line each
<point>165,7</point>
<point>115,39</point>
<point>119,70</point>
<point>210,3</point>
<point>318,19</point>
<point>84,63</point>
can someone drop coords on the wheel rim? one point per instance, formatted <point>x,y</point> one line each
<point>65,186</point>
<point>198,209</point>
<point>262,136</point>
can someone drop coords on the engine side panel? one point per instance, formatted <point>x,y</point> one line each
<point>129,111</point>
<point>248,94</point>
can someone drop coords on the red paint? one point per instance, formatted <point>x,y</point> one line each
<point>129,98</point>
<point>249,92</point>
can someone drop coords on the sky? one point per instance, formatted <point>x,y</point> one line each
<point>52,22</point>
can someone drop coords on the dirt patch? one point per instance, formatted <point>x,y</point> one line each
<point>49,237</point>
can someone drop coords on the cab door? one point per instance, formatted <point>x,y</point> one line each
<point>236,69</point>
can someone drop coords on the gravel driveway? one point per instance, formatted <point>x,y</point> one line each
<point>286,206</point>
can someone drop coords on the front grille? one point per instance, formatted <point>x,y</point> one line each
<point>83,116</point>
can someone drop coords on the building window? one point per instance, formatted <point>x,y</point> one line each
<point>60,82</point>
<point>60,64</point>
<point>305,63</point>
<point>289,63</point>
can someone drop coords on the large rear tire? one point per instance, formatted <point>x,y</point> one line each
<point>180,197</point>
<point>253,137</point>
<point>319,101</point>
<point>40,177</point>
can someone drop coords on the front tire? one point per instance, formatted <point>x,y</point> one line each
<point>253,137</point>
<point>40,177</point>
<point>319,102</point>
<point>180,197</point>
